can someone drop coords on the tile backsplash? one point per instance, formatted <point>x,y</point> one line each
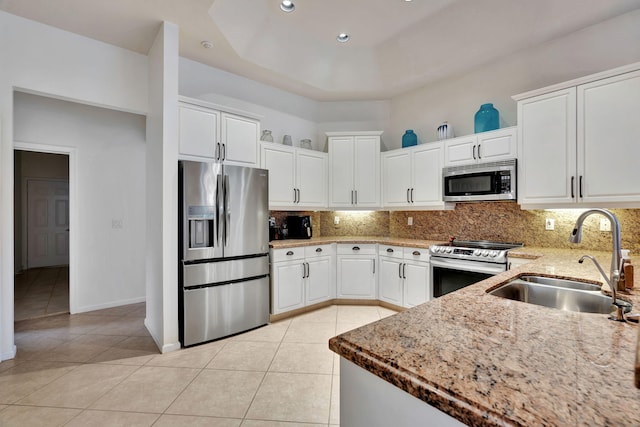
<point>499,221</point>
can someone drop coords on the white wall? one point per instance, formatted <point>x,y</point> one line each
<point>43,59</point>
<point>110,149</point>
<point>603,46</point>
<point>162,190</point>
<point>280,111</point>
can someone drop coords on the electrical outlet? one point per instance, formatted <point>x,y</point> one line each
<point>605,225</point>
<point>410,220</point>
<point>550,224</point>
<point>336,220</point>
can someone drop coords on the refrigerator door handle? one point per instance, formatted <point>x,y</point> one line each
<point>227,214</point>
<point>218,208</point>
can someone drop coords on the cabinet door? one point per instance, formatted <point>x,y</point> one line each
<point>390,289</point>
<point>356,277</point>
<point>547,148</point>
<point>198,134</point>
<point>311,171</point>
<point>367,171</point>
<point>497,145</point>
<point>319,284</point>
<point>396,173</point>
<point>341,158</point>
<point>427,176</point>
<point>609,139</point>
<point>288,286</point>
<point>239,136</point>
<point>280,162</point>
<point>416,283</point>
<point>460,151</point>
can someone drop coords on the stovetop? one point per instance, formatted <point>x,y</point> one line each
<point>474,250</point>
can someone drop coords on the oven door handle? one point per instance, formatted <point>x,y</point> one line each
<point>473,266</point>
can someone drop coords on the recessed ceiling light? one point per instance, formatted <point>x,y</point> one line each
<point>343,37</point>
<point>287,6</point>
<point>206,44</point>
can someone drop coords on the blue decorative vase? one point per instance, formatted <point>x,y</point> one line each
<point>409,139</point>
<point>487,118</point>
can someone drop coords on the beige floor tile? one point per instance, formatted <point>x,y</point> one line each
<point>245,356</point>
<point>303,358</point>
<point>191,421</point>
<point>336,364</point>
<point>262,423</point>
<point>334,417</point>
<point>273,332</point>
<point>322,315</point>
<point>310,332</point>
<point>357,314</point>
<point>218,394</point>
<point>194,357</point>
<point>80,349</point>
<point>2,407</point>
<point>21,416</point>
<point>80,387</point>
<point>129,326</point>
<point>90,418</point>
<point>130,351</point>
<point>32,345</point>
<point>149,389</point>
<point>8,364</point>
<point>28,377</point>
<point>341,328</point>
<point>386,312</point>
<point>292,397</point>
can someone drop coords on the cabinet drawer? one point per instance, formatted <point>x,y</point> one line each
<point>390,251</point>
<point>416,254</point>
<point>287,254</point>
<point>318,251</point>
<point>357,249</point>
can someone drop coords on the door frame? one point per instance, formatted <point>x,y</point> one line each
<point>73,211</point>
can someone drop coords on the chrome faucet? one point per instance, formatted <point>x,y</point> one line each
<point>616,257</point>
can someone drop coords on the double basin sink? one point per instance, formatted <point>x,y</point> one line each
<point>563,294</point>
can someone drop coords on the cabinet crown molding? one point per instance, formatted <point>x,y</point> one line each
<point>364,133</point>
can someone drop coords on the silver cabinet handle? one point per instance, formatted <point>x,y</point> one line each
<point>474,152</point>
<point>308,270</point>
<point>479,156</point>
<point>289,253</point>
<point>355,248</point>
<point>298,190</point>
<point>351,196</point>
<point>389,250</point>
<point>294,195</point>
<point>416,253</point>
<point>319,250</point>
<point>217,154</point>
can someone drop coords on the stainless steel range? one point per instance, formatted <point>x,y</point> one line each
<point>461,263</point>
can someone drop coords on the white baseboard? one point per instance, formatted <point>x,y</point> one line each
<point>166,348</point>
<point>9,354</point>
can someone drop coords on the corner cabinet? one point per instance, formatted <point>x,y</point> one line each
<point>208,133</point>
<point>576,142</point>
<point>481,147</point>
<point>354,170</point>
<point>412,177</point>
<point>302,276</point>
<point>356,271</point>
<point>297,177</point>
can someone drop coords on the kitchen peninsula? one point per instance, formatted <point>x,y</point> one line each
<point>485,360</point>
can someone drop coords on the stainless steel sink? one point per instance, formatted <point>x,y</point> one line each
<point>562,294</point>
<point>561,283</point>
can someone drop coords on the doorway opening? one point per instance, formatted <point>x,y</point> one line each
<point>41,242</point>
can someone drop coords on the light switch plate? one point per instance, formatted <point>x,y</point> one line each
<point>550,224</point>
<point>336,220</point>
<point>410,220</point>
<point>605,225</point>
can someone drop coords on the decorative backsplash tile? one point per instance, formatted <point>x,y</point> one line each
<point>499,221</point>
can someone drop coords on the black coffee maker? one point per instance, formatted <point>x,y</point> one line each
<point>299,227</point>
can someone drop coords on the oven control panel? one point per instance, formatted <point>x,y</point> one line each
<point>491,255</point>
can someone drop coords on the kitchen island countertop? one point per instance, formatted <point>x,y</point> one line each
<point>486,360</point>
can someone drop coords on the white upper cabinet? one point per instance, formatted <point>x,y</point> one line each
<point>354,170</point>
<point>412,177</point>
<point>297,177</point>
<point>576,143</point>
<point>209,134</point>
<point>481,147</point>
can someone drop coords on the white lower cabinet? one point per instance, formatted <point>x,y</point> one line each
<point>404,275</point>
<point>301,276</point>
<point>356,271</point>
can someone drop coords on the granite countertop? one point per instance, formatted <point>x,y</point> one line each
<point>395,241</point>
<point>486,360</point>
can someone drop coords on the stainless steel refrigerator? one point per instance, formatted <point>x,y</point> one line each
<point>223,250</point>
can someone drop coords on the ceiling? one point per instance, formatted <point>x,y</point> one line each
<point>395,45</point>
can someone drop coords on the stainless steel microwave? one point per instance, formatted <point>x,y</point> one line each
<point>480,182</point>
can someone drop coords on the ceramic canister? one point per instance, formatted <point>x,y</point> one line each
<point>445,131</point>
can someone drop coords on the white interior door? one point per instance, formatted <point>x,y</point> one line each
<point>47,222</point>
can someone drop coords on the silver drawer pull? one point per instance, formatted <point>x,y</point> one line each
<point>416,253</point>
<point>355,248</point>
<point>319,250</point>
<point>290,253</point>
<point>389,250</point>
